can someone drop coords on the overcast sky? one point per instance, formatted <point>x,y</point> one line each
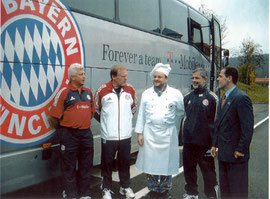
<point>245,19</point>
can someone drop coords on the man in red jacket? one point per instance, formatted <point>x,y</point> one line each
<point>71,115</point>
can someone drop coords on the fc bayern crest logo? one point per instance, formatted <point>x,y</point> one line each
<point>39,40</point>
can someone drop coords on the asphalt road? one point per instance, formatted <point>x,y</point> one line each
<point>258,172</point>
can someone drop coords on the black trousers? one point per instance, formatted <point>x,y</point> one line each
<point>76,147</point>
<point>233,179</point>
<point>194,155</point>
<point>109,150</point>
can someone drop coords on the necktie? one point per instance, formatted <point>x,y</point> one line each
<point>223,101</point>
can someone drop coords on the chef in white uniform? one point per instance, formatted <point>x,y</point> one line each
<point>160,111</point>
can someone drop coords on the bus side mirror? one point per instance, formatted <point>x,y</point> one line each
<point>226,54</point>
<point>225,61</point>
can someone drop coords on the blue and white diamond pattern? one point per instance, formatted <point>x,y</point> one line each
<point>33,62</point>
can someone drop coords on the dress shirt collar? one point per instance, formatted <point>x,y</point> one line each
<point>228,92</point>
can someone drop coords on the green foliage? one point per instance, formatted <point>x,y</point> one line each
<point>252,80</point>
<point>250,53</point>
<point>247,74</point>
<point>258,94</point>
<point>242,70</point>
<point>251,58</point>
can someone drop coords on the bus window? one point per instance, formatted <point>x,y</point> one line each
<point>140,13</point>
<point>103,8</point>
<point>196,34</point>
<point>200,26</point>
<point>174,16</point>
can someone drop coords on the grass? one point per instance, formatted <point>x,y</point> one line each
<point>260,94</point>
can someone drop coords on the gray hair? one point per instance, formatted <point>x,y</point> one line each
<point>203,72</point>
<point>73,68</point>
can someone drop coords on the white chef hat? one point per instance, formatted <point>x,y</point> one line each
<point>164,68</point>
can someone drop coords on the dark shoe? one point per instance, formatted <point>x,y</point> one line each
<point>151,195</point>
<point>166,195</point>
<point>64,195</point>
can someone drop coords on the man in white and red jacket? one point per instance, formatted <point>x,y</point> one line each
<point>116,103</point>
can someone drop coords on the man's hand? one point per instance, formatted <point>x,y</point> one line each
<point>213,151</point>
<point>238,154</point>
<point>140,139</point>
<point>54,122</point>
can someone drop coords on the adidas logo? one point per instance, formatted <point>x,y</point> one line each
<point>72,98</point>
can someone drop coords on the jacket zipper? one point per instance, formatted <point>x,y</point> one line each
<point>119,116</point>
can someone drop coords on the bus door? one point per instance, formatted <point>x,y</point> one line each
<point>216,53</point>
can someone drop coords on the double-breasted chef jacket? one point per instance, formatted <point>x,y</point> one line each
<point>157,120</point>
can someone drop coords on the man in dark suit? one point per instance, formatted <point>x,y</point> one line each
<point>232,137</point>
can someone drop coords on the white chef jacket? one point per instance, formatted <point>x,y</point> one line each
<point>157,120</point>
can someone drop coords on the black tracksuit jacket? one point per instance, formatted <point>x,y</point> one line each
<point>200,107</point>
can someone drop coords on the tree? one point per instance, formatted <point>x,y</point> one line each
<point>222,20</point>
<point>251,57</point>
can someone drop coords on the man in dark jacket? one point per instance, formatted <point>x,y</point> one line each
<point>200,106</point>
<point>232,137</point>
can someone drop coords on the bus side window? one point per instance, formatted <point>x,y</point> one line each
<point>140,13</point>
<point>199,32</point>
<point>173,19</point>
<point>195,35</point>
<point>102,8</point>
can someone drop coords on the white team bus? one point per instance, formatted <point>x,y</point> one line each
<point>41,38</point>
